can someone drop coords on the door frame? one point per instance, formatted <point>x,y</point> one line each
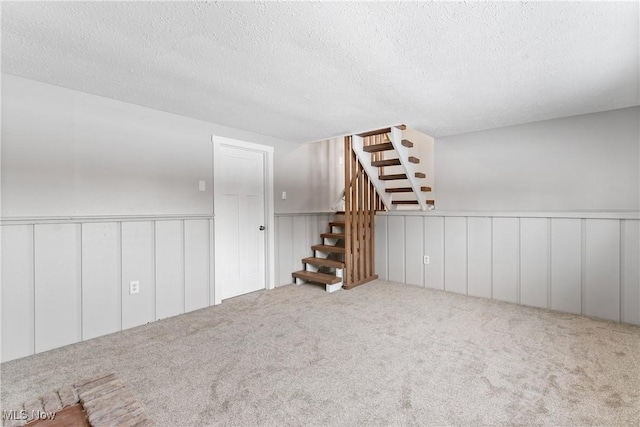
<point>267,156</point>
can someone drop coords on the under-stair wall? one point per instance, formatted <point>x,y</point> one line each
<point>295,233</point>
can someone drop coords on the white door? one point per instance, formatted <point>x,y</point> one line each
<point>240,218</point>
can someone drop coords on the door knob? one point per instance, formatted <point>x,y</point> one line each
<point>262,228</point>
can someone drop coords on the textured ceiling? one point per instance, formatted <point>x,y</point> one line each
<point>309,71</point>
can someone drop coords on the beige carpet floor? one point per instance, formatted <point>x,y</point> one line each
<point>381,354</point>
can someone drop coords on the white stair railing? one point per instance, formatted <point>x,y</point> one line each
<point>408,167</point>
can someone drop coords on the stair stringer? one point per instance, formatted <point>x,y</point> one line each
<point>408,167</point>
<point>365,160</point>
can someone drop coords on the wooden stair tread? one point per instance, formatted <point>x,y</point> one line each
<point>323,262</point>
<point>380,131</point>
<point>405,189</point>
<point>385,146</point>
<point>327,248</point>
<point>387,162</point>
<point>332,235</point>
<point>414,159</point>
<point>336,224</point>
<point>311,276</point>
<point>410,202</point>
<point>404,202</point>
<point>400,176</point>
<point>375,148</point>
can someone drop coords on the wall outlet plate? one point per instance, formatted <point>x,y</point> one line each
<point>426,259</point>
<point>134,287</point>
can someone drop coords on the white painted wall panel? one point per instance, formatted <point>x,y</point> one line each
<point>323,223</point>
<point>301,246</point>
<point>196,264</point>
<point>396,249</point>
<point>312,230</point>
<point>212,263</point>
<point>434,248</point>
<point>566,265</point>
<point>285,250</point>
<point>138,264</point>
<point>505,259</point>
<point>631,272</point>
<point>479,257</point>
<point>169,268</point>
<point>17,292</point>
<point>534,261</point>
<point>414,247</point>
<point>602,269</point>
<point>101,290</point>
<point>276,255</point>
<point>58,319</point>
<point>455,254</point>
<point>381,246</point>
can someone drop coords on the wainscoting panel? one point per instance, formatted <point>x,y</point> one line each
<point>313,231</point>
<point>58,294</point>
<point>196,264</point>
<point>396,237</point>
<point>413,249</point>
<point>479,257</point>
<point>323,222</point>
<point>434,248</point>
<point>582,263</point>
<point>301,248</point>
<point>631,272</point>
<point>566,265</point>
<point>455,254</point>
<point>381,246</point>
<point>602,269</point>
<point>138,264</point>
<point>17,292</point>
<point>534,262</point>
<point>101,273</point>
<point>169,252</point>
<point>505,259</point>
<point>284,249</point>
<point>67,279</point>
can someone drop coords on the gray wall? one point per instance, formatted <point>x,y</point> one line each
<point>578,263</point>
<point>583,163</point>
<point>311,175</point>
<point>68,153</point>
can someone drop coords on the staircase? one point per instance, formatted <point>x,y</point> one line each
<point>381,173</point>
<point>386,158</point>
<point>326,266</point>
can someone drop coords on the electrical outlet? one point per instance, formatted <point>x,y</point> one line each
<point>134,287</point>
<point>426,259</point>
